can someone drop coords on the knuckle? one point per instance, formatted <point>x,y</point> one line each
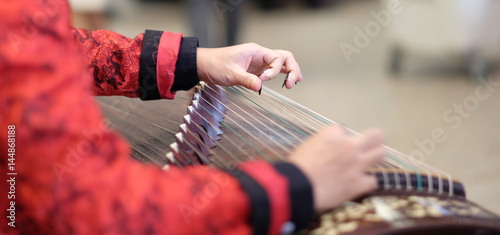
<point>286,53</point>
<point>251,44</point>
<point>278,57</point>
<point>251,47</point>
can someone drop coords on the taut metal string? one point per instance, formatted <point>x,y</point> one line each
<point>287,150</point>
<point>384,170</point>
<point>241,137</point>
<point>244,129</point>
<point>131,132</point>
<point>296,119</point>
<point>229,139</point>
<point>284,110</point>
<point>415,164</point>
<point>264,116</point>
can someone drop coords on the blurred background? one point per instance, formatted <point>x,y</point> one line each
<point>421,70</point>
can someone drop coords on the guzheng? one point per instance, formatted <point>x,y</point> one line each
<point>222,126</point>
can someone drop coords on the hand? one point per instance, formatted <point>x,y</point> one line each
<point>336,164</point>
<point>240,65</point>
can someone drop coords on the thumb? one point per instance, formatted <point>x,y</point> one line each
<point>249,81</point>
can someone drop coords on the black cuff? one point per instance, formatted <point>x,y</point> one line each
<point>259,202</point>
<point>148,85</point>
<point>301,195</point>
<point>186,70</point>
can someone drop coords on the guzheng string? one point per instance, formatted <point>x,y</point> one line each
<point>394,157</point>
<point>317,118</point>
<point>249,119</point>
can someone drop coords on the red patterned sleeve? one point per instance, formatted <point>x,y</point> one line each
<point>144,66</point>
<point>113,61</point>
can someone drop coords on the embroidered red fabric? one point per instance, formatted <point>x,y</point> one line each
<point>113,61</point>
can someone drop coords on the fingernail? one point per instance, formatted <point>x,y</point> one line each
<point>286,79</point>
<point>267,74</point>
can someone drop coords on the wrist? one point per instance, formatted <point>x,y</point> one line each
<point>203,63</point>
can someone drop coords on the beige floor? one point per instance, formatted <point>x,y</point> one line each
<point>362,94</point>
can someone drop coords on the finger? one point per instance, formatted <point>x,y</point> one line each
<point>292,68</point>
<point>368,183</point>
<point>371,158</point>
<point>370,139</point>
<point>249,81</point>
<point>333,132</point>
<point>275,61</point>
<point>283,69</point>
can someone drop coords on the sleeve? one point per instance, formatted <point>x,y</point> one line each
<point>153,65</point>
<point>280,196</point>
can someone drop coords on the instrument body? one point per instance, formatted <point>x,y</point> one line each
<point>224,126</point>
<point>408,213</point>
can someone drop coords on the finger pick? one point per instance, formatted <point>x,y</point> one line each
<point>286,79</point>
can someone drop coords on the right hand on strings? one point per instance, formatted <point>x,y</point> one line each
<point>336,164</point>
<point>241,65</point>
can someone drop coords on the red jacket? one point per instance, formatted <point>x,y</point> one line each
<point>67,173</point>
